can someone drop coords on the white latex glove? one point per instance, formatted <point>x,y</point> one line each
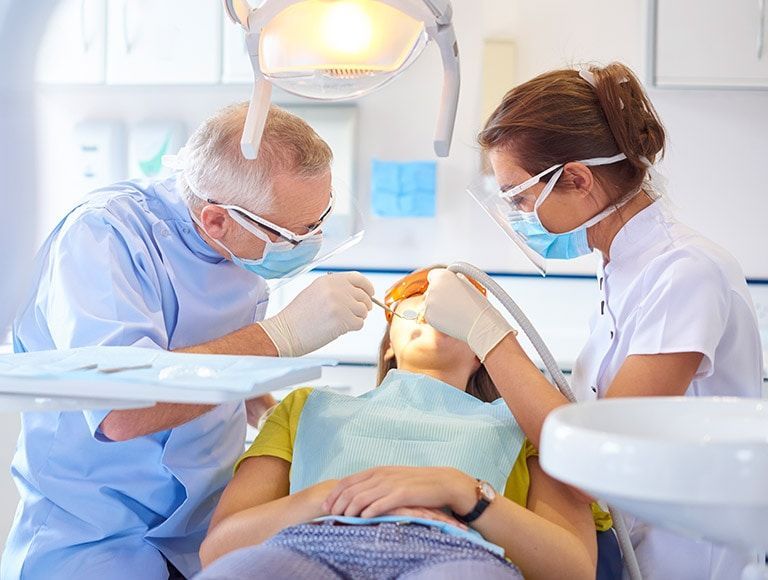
<point>332,305</point>
<point>454,307</point>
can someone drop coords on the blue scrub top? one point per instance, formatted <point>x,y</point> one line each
<point>125,267</point>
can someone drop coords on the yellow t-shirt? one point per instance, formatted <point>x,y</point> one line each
<point>278,435</point>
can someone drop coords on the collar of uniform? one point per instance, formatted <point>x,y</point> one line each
<point>178,215</point>
<point>638,236</point>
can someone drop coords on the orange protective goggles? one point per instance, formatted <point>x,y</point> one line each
<point>416,284</point>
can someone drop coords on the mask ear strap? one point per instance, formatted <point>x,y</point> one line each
<point>548,188</point>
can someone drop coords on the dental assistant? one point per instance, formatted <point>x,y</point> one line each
<point>178,265</point>
<point>571,153</point>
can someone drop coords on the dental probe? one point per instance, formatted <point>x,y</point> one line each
<point>407,315</point>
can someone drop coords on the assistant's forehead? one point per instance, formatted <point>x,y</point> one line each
<point>506,168</point>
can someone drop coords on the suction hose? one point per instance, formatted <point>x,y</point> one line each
<point>628,552</point>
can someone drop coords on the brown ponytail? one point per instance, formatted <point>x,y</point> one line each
<point>559,117</point>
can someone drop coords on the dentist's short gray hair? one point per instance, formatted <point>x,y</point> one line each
<point>217,168</point>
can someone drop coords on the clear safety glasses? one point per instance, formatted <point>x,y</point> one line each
<point>513,194</point>
<point>286,234</point>
<point>415,284</point>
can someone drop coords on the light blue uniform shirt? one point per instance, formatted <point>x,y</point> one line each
<point>126,267</point>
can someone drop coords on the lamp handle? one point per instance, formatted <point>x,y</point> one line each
<point>449,102</point>
<point>258,111</point>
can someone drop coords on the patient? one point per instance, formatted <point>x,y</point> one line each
<point>375,486</point>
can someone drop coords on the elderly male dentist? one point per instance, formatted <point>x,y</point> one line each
<point>180,265</point>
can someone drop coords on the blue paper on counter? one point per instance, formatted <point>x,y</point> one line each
<point>202,371</point>
<point>403,189</point>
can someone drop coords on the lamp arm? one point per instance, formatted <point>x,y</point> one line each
<point>449,102</point>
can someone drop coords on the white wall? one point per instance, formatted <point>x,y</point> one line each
<point>716,162</point>
<point>717,140</point>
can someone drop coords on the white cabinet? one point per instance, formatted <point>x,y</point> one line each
<point>163,42</point>
<point>72,50</point>
<point>236,64</point>
<point>711,43</point>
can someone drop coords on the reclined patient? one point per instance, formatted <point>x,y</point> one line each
<point>399,482</point>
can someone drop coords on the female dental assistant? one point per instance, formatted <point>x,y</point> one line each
<point>571,152</point>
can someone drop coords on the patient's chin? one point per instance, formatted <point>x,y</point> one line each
<point>443,352</point>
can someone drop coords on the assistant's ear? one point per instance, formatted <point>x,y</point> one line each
<point>215,221</point>
<point>580,176</point>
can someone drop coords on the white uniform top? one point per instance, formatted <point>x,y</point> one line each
<point>668,289</point>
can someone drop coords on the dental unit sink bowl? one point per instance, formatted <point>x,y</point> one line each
<point>696,466</point>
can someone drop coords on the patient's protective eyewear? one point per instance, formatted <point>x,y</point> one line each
<point>415,284</point>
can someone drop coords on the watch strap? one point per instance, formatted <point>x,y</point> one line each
<point>477,511</point>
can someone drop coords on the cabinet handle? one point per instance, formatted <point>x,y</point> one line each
<point>87,39</point>
<point>760,28</point>
<point>127,40</point>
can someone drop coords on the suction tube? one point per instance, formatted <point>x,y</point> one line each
<point>628,552</point>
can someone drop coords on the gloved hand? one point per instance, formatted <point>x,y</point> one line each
<point>332,305</point>
<point>454,307</point>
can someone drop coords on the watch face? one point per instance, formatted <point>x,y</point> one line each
<point>487,491</point>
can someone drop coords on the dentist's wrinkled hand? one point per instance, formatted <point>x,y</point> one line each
<point>328,308</point>
<point>453,306</point>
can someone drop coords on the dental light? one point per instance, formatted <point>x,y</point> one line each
<point>333,50</point>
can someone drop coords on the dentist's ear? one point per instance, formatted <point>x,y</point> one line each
<point>216,221</point>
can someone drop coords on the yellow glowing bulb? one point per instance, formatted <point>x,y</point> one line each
<point>347,28</point>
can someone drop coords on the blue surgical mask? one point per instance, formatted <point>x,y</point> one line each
<point>567,245</point>
<point>549,245</point>
<point>279,258</point>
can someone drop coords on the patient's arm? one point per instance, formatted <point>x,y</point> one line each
<point>256,505</point>
<point>553,538</point>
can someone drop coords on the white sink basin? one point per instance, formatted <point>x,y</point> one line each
<point>697,466</point>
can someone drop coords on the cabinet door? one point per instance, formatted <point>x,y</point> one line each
<point>236,64</point>
<point>163,41</point>
<point>711,43</point>
<point>72,50</point>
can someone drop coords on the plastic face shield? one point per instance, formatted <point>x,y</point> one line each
<point>415,284</point>
<point>486,192</point>
<point>342,49</point>
<point>518,203</point>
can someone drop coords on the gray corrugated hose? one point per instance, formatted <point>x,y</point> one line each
<point>628,553</point>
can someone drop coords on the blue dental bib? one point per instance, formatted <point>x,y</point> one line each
<point>409,420</point>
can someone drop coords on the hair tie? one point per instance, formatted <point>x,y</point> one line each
<point>588,76</point>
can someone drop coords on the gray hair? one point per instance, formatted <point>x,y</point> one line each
<point>216,167</point>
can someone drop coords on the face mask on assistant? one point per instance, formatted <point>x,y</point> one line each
<point>551,245</point>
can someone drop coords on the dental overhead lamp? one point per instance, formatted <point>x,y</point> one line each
<point>334,50</point>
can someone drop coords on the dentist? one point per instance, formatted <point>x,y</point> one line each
<point>571,153</point>
<point>179,265</point>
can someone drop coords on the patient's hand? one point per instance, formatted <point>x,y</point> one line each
<point>427,514</point>
<point>380,490</point>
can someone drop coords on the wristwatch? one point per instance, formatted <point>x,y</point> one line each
<point>485,495</point>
